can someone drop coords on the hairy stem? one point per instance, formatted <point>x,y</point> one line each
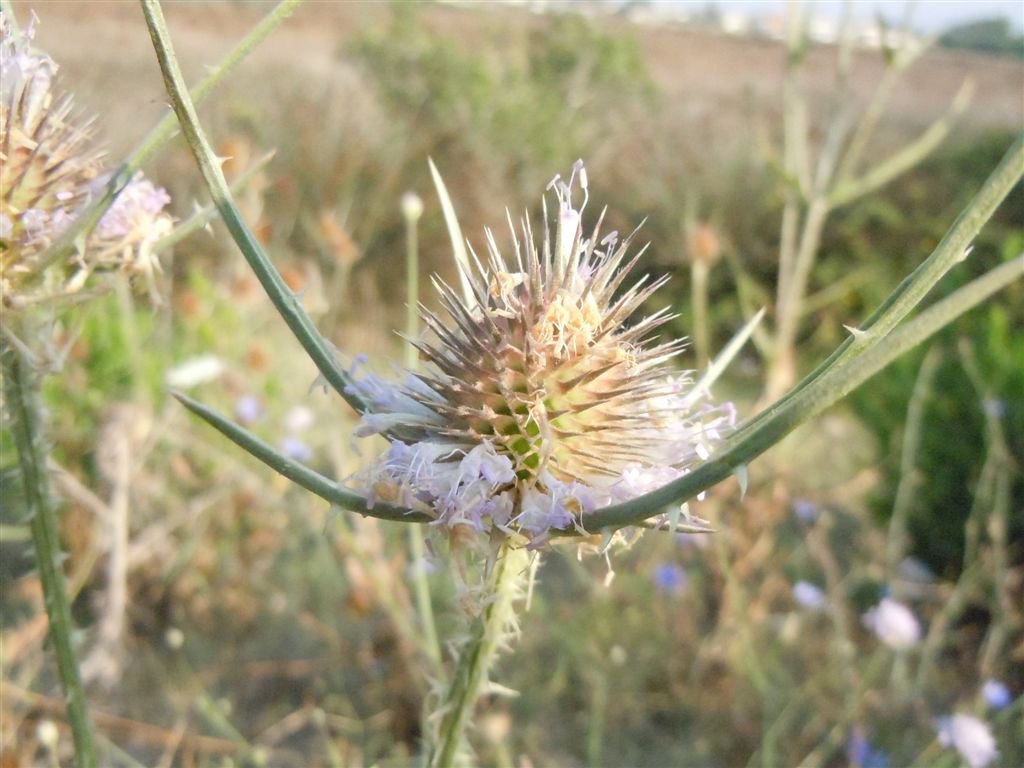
<point>24,412</point>
<point>476,657</point>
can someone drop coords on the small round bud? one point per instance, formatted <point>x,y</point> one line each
<point>495,726</point>
<point>48,734</point>
<point>618,655</point>
<point>412,206</point>
<point>174,638</point>
<point>705,247</point>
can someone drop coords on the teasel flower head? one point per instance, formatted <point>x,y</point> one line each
<point>52,170</point>
<point>541,398</point>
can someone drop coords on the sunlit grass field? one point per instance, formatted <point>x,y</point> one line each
<point>262,627</point>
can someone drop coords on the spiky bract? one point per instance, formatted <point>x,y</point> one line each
<point>540,400</point>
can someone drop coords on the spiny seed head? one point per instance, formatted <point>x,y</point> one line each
<point>51,171</point>
<point>536,383</point>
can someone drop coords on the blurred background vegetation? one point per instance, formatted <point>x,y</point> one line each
<point>262,628</point>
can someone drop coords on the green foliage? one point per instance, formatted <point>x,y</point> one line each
<point>986,35</point>
<point>535,109</point>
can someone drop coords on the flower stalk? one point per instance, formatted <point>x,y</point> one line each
<point>25,419</point>
<point>412,209</point>
<point>490,631</point>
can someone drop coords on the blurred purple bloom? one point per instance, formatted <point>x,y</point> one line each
<point>294,448</point>
<point>996,694</point>
<point>248,409</point>
<point>806,510</point>
<point>698,540</point>
<point>860,752</point>
<point>139,202</point>
<point>809,595</point>
<point>670,578</point>
<point>425,565</point>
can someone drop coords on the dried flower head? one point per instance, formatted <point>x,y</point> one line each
<point>52,170</point>
<point>539,401</point>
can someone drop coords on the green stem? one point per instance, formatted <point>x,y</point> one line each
<point>477,656</point>
<point>909,293</point>
<point>909,479</point>
<point>286,301</point>
<point>156,138</point>
<point>812,399</point>
<point>202,217</point>
<point>421,586</point>
<point>298,473</point>
<point>21,396</point>
<point>907,157</point>
<point>701,334</point>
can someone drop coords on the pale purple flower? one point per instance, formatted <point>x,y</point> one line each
<point>670,578</point>
<point>894,623</point>
<point>294,448</point>
<point>996,694</point>
<point>969,736</point>
<point>52,172</point>
<point>809,595</point>
<point>862,754</point>
<point>698,540</point>
<point>806,511</point>
<point>136,210</point>
<point>249,409</point>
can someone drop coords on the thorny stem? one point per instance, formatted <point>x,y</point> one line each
<point>828,388</point>
<point>809,201</point>
<point>489,631</point>
<point>909,293</point>
<point>287,302</point>
<point>24,412</point>
<point>298,473</point>
<point>203,216</point>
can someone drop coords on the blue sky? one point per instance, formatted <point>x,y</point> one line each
<point>928,15</point>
